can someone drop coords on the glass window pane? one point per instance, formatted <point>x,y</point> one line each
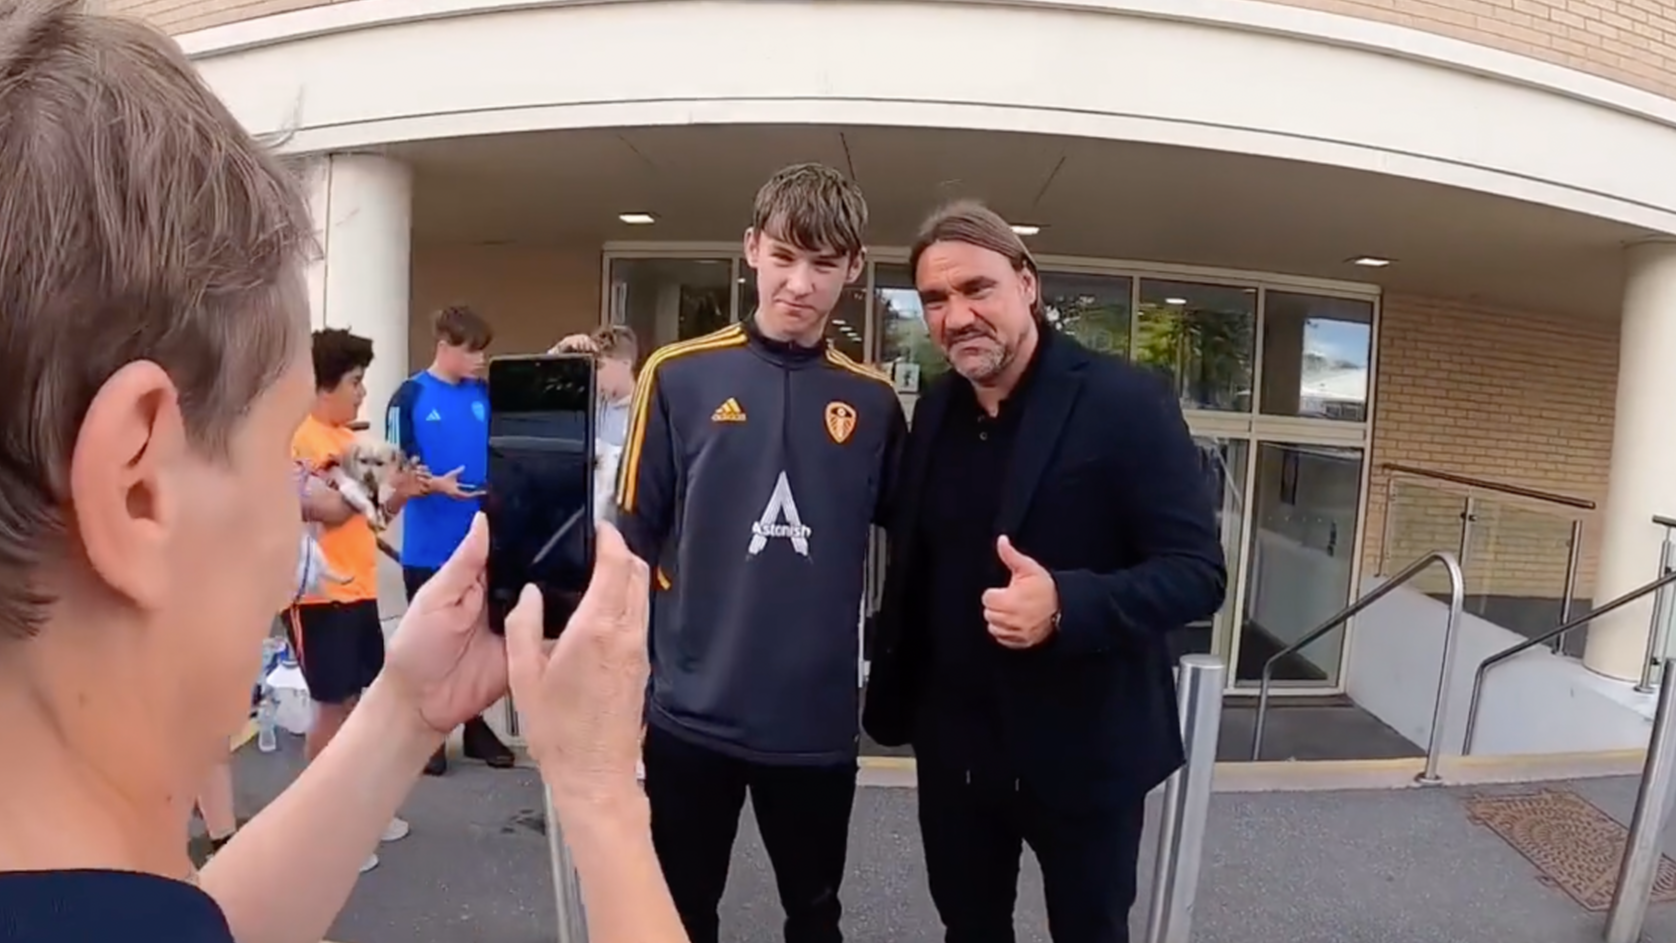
<point>1200,336</point>
<point>903,337</point>
<point>668,300</point>
<point>846,330</point>
<point>1315,356</point>
<point>1223,463</point>
<point>1094,309</point>
<point>1303,541</point>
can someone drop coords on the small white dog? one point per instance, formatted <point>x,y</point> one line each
<point>365,474</point>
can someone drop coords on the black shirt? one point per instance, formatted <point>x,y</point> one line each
<point>960,718</point>
<point>106,907</point>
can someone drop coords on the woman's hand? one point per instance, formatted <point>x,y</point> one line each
<point>443,656</point>
<point>580,698</point>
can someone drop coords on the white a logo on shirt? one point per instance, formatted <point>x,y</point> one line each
<point>780,519</point>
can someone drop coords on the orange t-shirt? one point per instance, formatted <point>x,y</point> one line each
<point>350,549</point>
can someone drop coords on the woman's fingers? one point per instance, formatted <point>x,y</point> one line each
<point>618,594</point>
<point>464,568</point>
<point>526,650</point>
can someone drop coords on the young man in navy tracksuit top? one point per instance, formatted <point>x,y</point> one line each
<point>756,460</point>
<point>440,418</point>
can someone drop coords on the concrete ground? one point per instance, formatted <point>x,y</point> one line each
<point>1402,866</point>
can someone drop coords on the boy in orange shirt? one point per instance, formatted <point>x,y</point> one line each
<point>336,634</point>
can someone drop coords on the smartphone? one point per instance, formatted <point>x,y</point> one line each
<point>539,496</point>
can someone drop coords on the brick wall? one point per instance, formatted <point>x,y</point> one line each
<point>1507,396</point>
<point>182,16</point>
<point>1632,41</point>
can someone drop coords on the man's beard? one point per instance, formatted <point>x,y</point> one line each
<point>986,367</point>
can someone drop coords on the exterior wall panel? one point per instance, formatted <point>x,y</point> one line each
<point>1502,395</point>
<point>1631,41</point>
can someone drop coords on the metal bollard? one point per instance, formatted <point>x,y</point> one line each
<point>567,889</point>
<point>1181,827</point>
<point>1642,850</point>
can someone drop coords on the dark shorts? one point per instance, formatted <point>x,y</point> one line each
<point>414,577</point>
<point>339,646</point>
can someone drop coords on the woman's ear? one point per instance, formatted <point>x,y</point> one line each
<point>130,442</point>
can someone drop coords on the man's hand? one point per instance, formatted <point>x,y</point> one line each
<point>321,503</point>
<point>449,485</point>
<point>410,482</point>
<point>1023,613</point>
<point>575,344</point>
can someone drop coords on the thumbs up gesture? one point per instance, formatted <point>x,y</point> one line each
<point>1025,612</point>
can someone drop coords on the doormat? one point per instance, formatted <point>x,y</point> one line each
<point>1574,846</point>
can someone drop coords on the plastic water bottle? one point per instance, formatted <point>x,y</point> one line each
<point>273,655</point>
<point>267,738</point>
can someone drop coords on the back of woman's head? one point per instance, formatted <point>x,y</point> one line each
<point>153,367</point>
<point>138,222</point>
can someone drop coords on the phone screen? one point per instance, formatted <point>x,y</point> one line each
<point>539,496</point>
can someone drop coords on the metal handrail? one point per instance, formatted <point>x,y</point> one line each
<point>1553,633</point>
<point>1457,593</point>
<point>1548,497</point>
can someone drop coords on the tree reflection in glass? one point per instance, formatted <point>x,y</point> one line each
<point>1092,308</point>
<point>901,319</point>
<point>1202,338</point>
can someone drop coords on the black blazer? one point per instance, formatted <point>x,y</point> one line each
<point>1105,489</point>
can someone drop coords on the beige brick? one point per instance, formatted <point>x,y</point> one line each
<point>1515,398</point>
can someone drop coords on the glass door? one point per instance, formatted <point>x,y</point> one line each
<point>1223,465</point>
<point>1302,550</point>
<point>669,300</point>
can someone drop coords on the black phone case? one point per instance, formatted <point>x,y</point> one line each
<point>541,518</point>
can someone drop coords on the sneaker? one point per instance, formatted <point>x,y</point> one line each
<point>369,864</point>
<point>396,830</point>
<point>438,763</point>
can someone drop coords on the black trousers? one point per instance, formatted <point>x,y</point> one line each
<point>974,834</point>
<point>803,813</point>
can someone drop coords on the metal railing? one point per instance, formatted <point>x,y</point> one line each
<point>1484,667</point>
<point>1485,484</point>
<point>1658,638</point>
<point>1644,847</point>
<point>1451,626</point>
<point>567,885</point>
<point>1186,807</point>
<point>1470,509</point>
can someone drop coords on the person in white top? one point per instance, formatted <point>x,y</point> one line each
<point>615,350</point>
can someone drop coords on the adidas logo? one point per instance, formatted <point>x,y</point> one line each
<point>434,417</point>
<point>728,412</point>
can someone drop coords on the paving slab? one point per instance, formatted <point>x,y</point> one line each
<point>1397,866</point>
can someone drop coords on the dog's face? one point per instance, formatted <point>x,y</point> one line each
<point>372,462</point>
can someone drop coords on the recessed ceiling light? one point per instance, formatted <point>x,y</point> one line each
<point>637,219</point>
<point>1370,261</point>
<point>1175,301</point>
<point>1024,229</point>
